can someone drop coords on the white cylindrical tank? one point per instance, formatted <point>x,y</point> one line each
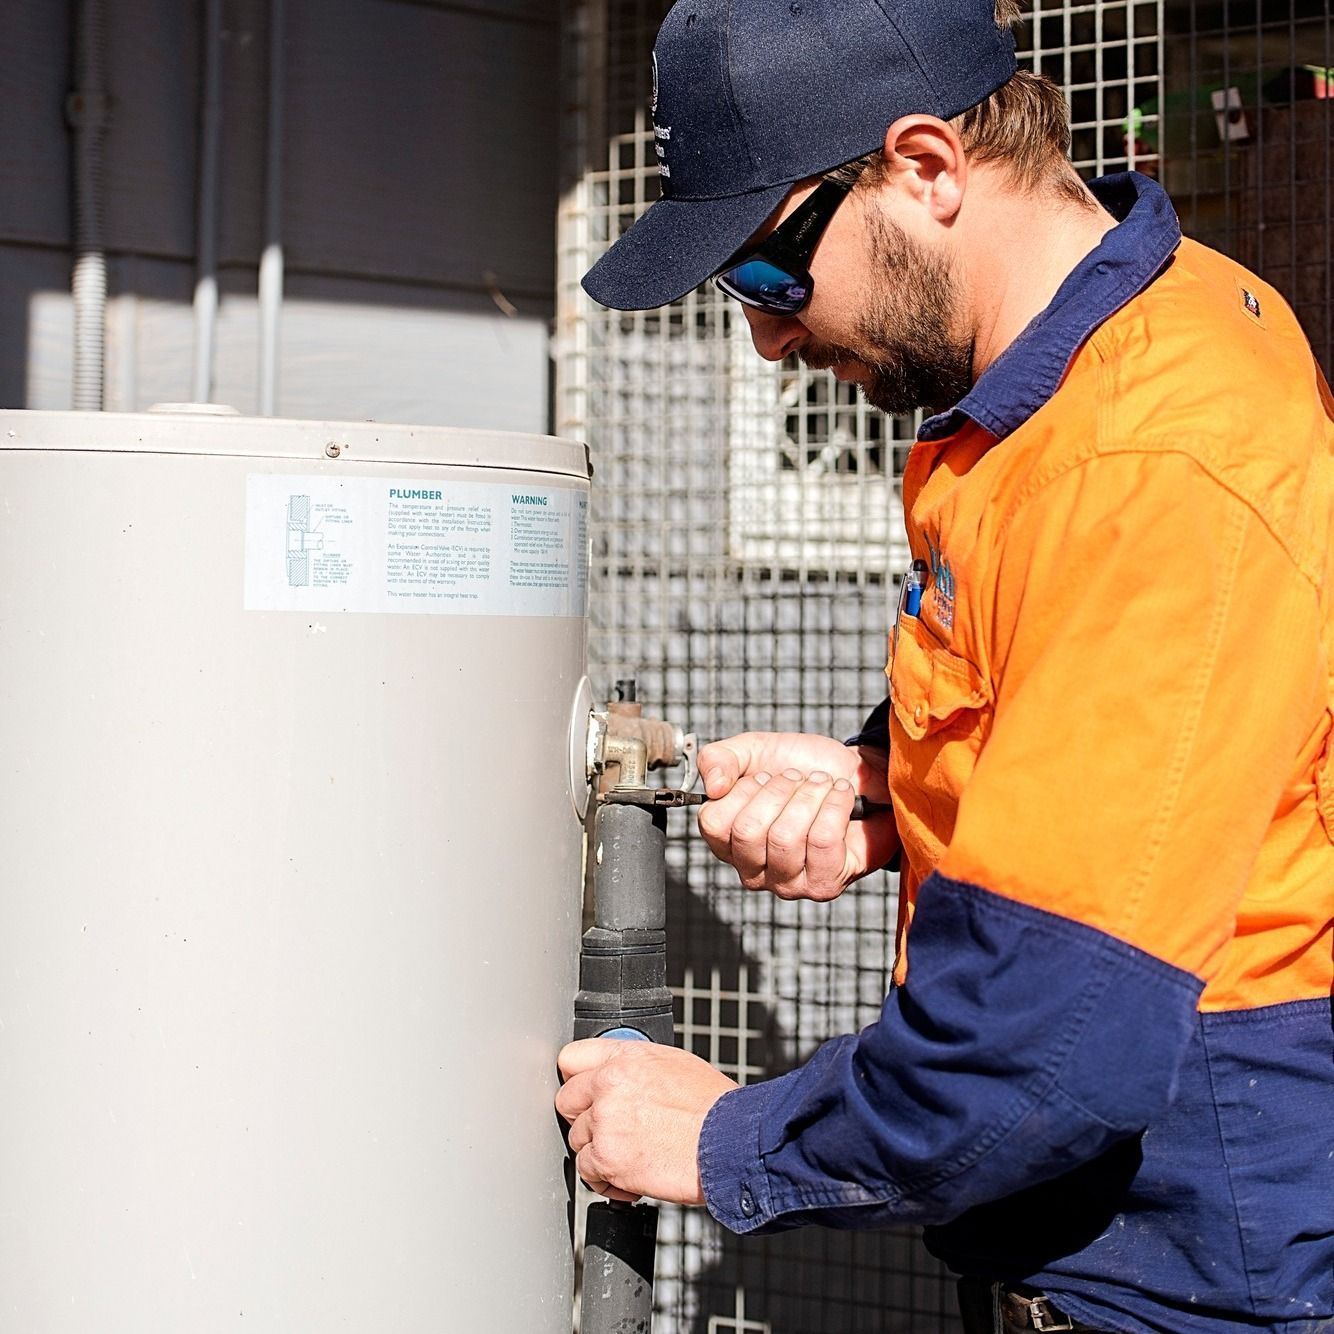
<point>289,874</point>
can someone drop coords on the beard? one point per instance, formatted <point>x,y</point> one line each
<point>904,337</point>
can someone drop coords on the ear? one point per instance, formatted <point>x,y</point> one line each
<point>925,157</point>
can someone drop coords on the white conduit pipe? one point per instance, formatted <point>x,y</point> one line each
<point>86,110</point>
<point>206,223</point>
<point>271,260</point>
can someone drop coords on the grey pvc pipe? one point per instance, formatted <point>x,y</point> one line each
<point>87,110</point>
<point>619,1249</point>
<point>206,243</point>
<point>271,260</point>
<point>630,869</point>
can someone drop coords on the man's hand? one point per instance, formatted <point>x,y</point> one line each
<point>780,807</point>
<point>635,1111</point>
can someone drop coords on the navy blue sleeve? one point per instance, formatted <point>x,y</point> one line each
<point>875,730</point>
<point>985,1074</point>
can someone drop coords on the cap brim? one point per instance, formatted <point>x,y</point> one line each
<point>675,245</point>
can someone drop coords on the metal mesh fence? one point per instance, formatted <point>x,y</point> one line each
<point>1246,139</point>
<point>747,532</point>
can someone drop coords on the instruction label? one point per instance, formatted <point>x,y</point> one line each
<point>419,545</point>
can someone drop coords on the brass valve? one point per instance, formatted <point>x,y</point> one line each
<point>623,745</point>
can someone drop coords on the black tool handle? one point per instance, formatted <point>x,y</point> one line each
<point>864,810</point>
<point>662,798</point>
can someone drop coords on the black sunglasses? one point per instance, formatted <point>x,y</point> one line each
<point>773,275</point>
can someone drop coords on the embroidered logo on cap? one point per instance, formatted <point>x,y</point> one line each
<point>1251,302</point>
<point>661,133</point>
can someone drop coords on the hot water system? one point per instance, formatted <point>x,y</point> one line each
<point>291,816</point>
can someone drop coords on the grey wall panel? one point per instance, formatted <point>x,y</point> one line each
<point>520,11</point>
<point>419,150</point>
<point>153,77</point>
<point>419,138</point>
<point>36,328</point>
<point>34,140</point>
<point>244,109</point>
<point>421,144</point>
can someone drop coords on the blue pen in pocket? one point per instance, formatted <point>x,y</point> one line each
<point>910,594</point>
<point>914,584</point>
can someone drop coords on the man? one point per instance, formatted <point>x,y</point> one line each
<point>1104,1079</point>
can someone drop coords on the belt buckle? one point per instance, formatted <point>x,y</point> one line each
<point>1043,1318</point>
<point>1036,1312</point>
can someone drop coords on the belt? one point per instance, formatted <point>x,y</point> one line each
<point>992,1308</point>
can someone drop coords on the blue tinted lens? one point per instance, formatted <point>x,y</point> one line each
<point>765,285</point>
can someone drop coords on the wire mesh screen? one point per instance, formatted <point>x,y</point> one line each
<point>1246,140</point>
<point>747,535</point>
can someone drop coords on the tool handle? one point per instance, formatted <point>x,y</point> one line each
<point>662,797</point>
<point>864,810</point>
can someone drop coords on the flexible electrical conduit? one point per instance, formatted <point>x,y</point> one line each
<point>87,114</point>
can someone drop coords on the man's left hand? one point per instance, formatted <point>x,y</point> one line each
<point>635,1111</point>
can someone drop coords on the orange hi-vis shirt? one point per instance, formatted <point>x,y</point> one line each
<point>1106,1069</point>
<point>1115,703</point>
<point>1115,708</point>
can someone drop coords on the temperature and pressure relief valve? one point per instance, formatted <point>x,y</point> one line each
<point>623,960</point>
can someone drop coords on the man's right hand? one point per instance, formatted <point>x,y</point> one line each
<point>780,806</point>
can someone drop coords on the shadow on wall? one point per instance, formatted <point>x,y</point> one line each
<point>22,322</point>
<point>808,1281</point>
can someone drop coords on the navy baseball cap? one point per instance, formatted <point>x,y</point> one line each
<point>750,96</point>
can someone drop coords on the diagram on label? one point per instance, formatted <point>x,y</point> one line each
<point>301,541</point>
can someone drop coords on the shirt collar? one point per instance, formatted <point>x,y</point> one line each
<point>1031,369</point>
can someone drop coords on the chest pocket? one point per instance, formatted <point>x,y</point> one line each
<point>941,713</point>
<point>930,686</point>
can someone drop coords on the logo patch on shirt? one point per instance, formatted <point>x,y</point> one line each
<point>942,586</point>
<point>1251,302</point>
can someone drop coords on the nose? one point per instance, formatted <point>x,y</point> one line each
<point>774,336</point>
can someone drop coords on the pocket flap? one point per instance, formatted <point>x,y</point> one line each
<point>928,684</point>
